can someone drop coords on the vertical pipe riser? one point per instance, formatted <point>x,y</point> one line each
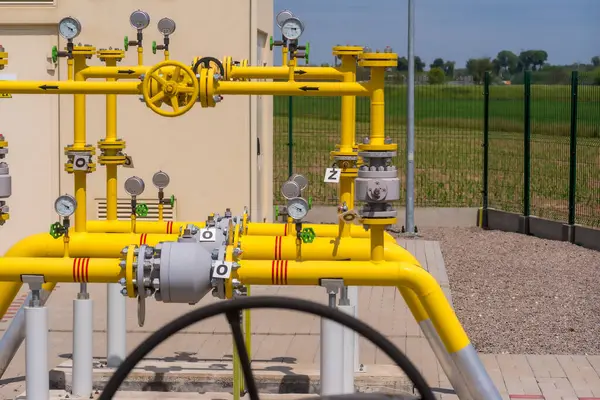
<point>116,350</point>
<point>36,353</point>
<point>83,330</point>
<point>410,124</point>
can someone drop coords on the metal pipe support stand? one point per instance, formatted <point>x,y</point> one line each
<point>83,330</point>
<point>116,342</point>
<point>349,337</point>
<point>332,348</point>
<point>37,375</point>
<point>15,333</point>
<point>353,297</point>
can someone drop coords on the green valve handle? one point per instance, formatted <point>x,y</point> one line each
<point>276,212</point>
<point>307,52</point>
<point>141,210</point>
<point>54,54</point>
<point>172,201</point>
<point>310,203</point>
<point>56,230</point>
<point>126,43</point>
<point>154,47</point>
<point>271,43</point>
<point>307,235</point>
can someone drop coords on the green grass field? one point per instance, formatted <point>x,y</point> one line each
<point>449,137</point>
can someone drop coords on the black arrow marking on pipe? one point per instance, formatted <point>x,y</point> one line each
<point>305,88</point>
<point>126,71</point>
<point>299,72</point>
<point>46,87</point>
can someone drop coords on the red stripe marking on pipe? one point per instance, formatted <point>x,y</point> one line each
<point>285,230</point>
<point>285,273</point>
<point>80,262</point>
<point>167,230</point>
<point>273,272</point>
<point>526,396</point>
<point>275,255</point>
<point>74,274</point>
<point>278,273</point>
<point>87,267</point>
<point>280,242</point>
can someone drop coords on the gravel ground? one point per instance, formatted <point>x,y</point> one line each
<point>520,294</point>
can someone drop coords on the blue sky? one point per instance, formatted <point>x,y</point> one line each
<point>569,30</point>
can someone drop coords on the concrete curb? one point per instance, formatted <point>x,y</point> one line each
<point>217,376</point>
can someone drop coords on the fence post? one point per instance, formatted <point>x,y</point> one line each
<point>527,155</point>
<point>486,153</point>
<point>290,137</point>
<point>573,154</point>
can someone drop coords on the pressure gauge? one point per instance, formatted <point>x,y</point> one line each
<point>297,208</point>
<point>166,26</point>
<point>69,28</point>
<point>300,180</point>
<point>292,28</point>
<point>134,186</point>
<point>290,189</point>
<point>65,205</point>
<point>139,19</point>
<point>283,16</point>
<point>161,180</point>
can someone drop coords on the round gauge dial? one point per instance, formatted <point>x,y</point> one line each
<point>65,205</point>
<point>134,186</point>
<point>300,180</point>
<point>283,16</point>
<point>166,26</point>
<point>290,189</point>
<point>69,28</point>
<point>161,180</point>
<point>292,28</point>
<point>297,208</point>
<point>139,19</point>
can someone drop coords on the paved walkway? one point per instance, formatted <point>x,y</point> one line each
<point>291,338</point>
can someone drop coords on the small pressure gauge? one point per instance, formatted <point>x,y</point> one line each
<point>65,205</point>
<point>290,189</point>
<point>161,180</point>
<point>134,186</point>
<point>283,16</point>
<point>292,28</point>
<point>297,208</point>
<point>139,19</point>
<point>69,28</point>
<point>300,180</point>
<point>166,26</point>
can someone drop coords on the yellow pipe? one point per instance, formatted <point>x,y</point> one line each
<point>166,53</point>
<point>284,55</point>
<point>153,227</point>
<point>95,245</point>
<point>56,270</point>
<point>79,142</point>
<point>282,72</point>
<point>377,243</point>
<point>321,230</point>
<point>399,274</point>
<point>111,137</point>
<point>332,89</point>
<point>160,211</point>
<point>377,133</point>
<point>284,248</point>
<point>140,55</point>
<point>69,69</point>
<point>68,87</point>
<point>123,72</point>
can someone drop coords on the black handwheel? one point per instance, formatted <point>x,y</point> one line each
<point>232,310</point>
<point>206,62</point>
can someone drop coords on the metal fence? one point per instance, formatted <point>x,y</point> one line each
<point>528,148</point>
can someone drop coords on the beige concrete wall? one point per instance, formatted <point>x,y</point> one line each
<point>210,154</point>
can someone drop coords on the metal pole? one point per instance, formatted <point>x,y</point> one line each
<point>37,376</point>
<point>83,330</point>
<point>353,297</point>
<point>410,123</point>
<point>527,148</point>
<point>486,148</point>
<point>332,347</point>
<point>573,147</point>
<point>116,317</point>
<point>290,137</point>
<point>15,334</point>
<point>348,339</point>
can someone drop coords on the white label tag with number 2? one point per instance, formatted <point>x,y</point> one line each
<point>332,175</point>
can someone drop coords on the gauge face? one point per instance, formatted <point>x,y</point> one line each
<point>134,186</point>
<point>139,19</point>
<point>69,28</point>
<point>300,180</point>
<point>290,189</point>
<point>166,26</point>
<point>65,205</point>
<point>161,180</point>
<point>283,16</point>
<point>292,28</point>
<point>297,208</point>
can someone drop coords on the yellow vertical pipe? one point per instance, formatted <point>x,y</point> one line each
<point>70,69</point>
<point>377,136</point>
<point>160,211</point>
<point>284,55</point>
<point>347,130</point>
<point>79,142</point>
<point>166,55</point>
<point>140,55</point>
<point>111,137</point>
<point>377,247</point>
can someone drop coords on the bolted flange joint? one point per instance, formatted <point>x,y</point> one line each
<point>80,159</point>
